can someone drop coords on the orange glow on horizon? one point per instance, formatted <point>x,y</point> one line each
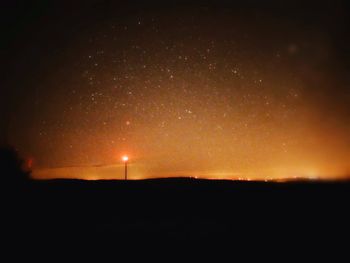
<point>210,105</point>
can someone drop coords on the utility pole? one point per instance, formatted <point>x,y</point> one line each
<point>126,171</point>
<point>125,160</point>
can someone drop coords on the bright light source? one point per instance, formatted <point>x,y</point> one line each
<point>125,158</point>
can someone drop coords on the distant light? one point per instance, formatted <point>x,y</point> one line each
<point>125,158</point>
<point>30,163</point>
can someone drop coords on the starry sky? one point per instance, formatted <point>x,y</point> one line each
<point>216,89</point>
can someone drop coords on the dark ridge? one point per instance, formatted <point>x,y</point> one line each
<point>109,217</point>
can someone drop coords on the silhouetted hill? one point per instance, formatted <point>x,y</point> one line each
<point>115,215</point>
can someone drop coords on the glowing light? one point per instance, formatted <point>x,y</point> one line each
<point>30,163</point>
<point>125,158</point>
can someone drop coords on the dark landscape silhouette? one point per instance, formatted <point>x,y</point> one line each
<point>184,212</point>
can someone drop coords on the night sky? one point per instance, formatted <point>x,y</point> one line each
<point>217,89</point>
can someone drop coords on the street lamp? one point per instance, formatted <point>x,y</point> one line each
<point>125,159</point>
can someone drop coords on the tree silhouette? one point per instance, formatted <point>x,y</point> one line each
<point>11,165</point>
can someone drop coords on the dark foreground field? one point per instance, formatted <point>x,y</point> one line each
<point>112,216</point>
